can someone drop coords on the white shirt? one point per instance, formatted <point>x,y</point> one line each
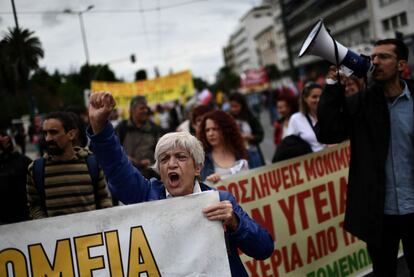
<point>299,125</point>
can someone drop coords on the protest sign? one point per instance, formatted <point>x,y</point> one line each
<point>160,238</point>
<point>301,202</point>
<point>254,80</point>
<point>177,86</point>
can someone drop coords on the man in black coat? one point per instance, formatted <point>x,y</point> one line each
<point>13,171</point>
<point>379,121</point>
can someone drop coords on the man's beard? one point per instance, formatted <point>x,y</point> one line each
<point>53,149</point>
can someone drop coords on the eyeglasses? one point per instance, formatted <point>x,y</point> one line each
<point>382,56</point>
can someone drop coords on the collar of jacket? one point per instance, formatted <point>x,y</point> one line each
<point>146,126</point>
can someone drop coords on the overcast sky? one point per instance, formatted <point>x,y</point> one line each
<point>181,34</point>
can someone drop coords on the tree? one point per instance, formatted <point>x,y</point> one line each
<point>101,72</point>
<point>226,80</point>
<point>45,88</point>
<point>141,75</point>
<point>272,71</point>
<point>199,83</point>
<point>21,52</point>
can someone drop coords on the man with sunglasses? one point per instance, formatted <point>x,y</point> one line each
<point>379,121</point>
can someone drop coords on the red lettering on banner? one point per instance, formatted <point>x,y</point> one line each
<point>342,157</point>
<point>310,170</point>
<point>266,220</point>
<point>252,268</point>
<point>332,199</point>
<point>348,237</point>
<point>286,259</point>
<point>312,252</point>
<point>324,243</point>
<point>264,268</point>
<point>298,179</point>
<point>242,185</point>
<point>260,186</point>
<point>326,164</point>
<point>302,196</point>
<point>264,184</point>
<point>320,203</point>
<point>325,202</point>
<point>275,182</point>
<point>288,211</point>
<point>285,177</point>
<point>276,261</point>
<point>255,190</point>
<point>222,188</point>
<point>233,189</point>
<point>342,193</point>
<point>296,258</point>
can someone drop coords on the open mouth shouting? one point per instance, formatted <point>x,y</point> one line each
<point>174,179</point>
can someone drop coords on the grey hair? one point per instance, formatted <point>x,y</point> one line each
<point>179,140</point>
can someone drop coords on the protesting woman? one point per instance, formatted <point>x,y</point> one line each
<point>303,122</point>
<point>224,146</point>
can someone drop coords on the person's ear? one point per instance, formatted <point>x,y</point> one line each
<point>402,64</point>
<point>73,134</point>
<point>198,169</point>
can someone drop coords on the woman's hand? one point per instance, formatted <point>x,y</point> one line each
<point>215,177</point>
<point>223,211</point>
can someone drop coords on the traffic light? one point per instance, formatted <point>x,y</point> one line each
<point>132,58</point>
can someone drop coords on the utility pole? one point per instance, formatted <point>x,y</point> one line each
<point>15,15</point>
<point>292,71</point>
<point>82,26</point>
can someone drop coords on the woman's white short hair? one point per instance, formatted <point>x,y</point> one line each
<point>179,140</point>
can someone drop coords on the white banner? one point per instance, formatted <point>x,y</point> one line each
<point>160,238</point>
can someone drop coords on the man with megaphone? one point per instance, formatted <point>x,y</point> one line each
<point>379,121</point>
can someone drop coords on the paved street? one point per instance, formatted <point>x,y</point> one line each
<point>267,145</point>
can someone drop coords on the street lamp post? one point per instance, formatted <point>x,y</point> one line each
<point>15,14</point>
<point>82,26</point>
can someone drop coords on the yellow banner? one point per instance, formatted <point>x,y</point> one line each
<point>177,86</point>
<point>301,202</point>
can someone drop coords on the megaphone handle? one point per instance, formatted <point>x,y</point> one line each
<point>336,56</point>
<point>366,75</point>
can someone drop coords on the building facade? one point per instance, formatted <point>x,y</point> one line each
<point>274,32</point>
<point>241,52</point>
<point>355,24</point>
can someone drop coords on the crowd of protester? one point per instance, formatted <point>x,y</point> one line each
<point>230,133</point>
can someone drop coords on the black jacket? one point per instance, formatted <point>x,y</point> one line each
<point>364,119</point>
<point>13,200</point>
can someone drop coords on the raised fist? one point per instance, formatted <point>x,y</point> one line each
<point>101,105</point>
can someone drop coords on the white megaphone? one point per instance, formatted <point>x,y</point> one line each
<point>320,43</point>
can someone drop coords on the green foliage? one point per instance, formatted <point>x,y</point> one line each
<point>20,54</point>
<point>200,84</point>
<point>11,106</point>
<point>226,80</point>
<point>141,75</point>
<point>272,71</point>
<point>59,91</point>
